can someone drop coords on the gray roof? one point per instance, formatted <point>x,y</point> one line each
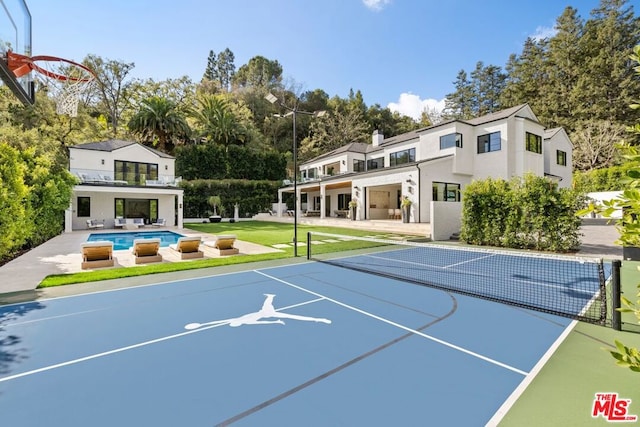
<point>550,133</point>
<point>116,144</point>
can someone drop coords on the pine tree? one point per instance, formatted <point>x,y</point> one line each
<point>211,72</point>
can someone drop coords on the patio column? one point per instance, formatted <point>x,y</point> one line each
<point>180,223</point>
<point>298,202</point>
<point>322,201</point>
<point>68,219</point>
<point>279,210</point>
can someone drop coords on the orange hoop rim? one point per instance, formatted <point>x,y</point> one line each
<point>21,65</point>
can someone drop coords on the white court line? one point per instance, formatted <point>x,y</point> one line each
<point>397,325</point>
<point>134,346</point>
<point>506,406</point>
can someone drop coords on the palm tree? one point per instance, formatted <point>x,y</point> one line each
<point>216,121</point>
<point>159,123</point>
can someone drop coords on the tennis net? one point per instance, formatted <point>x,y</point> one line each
<point>562,285</point>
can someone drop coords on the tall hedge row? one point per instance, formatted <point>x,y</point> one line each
<point>213,161</point>
<point>524,213</point>
<point>251,196</point>
<point>607,179</point>
<point>33,197</point>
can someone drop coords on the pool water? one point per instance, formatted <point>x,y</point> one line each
<point>125,240</point>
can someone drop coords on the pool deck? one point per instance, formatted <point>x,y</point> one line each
<point>62,255</point>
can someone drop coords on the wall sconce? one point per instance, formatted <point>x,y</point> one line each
<point>344,163</point>
<point>411,190</point>
<point>166,167</point>
<point>356,187</point>
<point>102,161</point>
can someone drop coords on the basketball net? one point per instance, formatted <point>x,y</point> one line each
<point>65,81</point>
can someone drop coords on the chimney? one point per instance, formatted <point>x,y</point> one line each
<point>378,137</point>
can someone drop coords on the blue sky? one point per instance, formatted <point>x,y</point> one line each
<point>400,53</point>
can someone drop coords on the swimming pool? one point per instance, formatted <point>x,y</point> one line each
<point>125,240</point>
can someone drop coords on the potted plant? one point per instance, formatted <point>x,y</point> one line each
<point>405,205</point>
<point>214,201</point>
<point>353,206</point>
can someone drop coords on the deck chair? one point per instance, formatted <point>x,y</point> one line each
<point>188,247</point>
<point>97,254</point>
<point>159,223</point>
<point>224,244</point>
<point>119,222</point>
<point>138,221</point>
<point>146,250</point>
<point>94,224</point>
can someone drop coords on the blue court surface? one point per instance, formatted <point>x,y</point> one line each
<point>303,345</point>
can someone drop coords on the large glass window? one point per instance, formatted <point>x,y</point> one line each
<point>446,192</point>
<point>451,140</point>
<point>561,158</point>
<point>135,173</point>
<point>375,163</point>
<point>402,157</point>
<point>358,166</point>
<point>137,208</point>
<point>534,143</point>
<point>84,207</point>
<point>489,142</point>
<point>343,201</point>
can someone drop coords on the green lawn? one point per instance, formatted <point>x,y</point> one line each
<point>260,232</point>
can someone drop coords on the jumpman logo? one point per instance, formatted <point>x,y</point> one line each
<point>260,317</point>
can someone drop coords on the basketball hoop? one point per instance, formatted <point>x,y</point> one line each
<point>65,80</point>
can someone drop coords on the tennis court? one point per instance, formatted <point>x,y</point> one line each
<point>305,344</point>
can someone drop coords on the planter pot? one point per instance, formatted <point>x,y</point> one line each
<point>353,214</point>
<point>406,214</point>
<point>631,253</point>
<point>215,218</point>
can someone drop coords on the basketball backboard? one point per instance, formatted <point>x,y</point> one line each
<point>15,35</point>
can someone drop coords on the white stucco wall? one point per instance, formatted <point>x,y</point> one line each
<point>446,219</point>
<point>91,160</point>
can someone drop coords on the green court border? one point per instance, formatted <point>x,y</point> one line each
<point>562,393</point>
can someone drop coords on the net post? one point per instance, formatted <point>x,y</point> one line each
<point>616,318</point>
<point>308,245</point>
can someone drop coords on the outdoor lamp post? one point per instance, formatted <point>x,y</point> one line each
<point>294,112</point>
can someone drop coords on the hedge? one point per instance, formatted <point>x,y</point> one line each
<point>524,213</point>
<point>252,196</point>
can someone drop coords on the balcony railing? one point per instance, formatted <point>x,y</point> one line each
<point>98,177</point>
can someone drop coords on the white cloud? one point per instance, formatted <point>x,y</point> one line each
<point>376,5</point>
<point>411,105</point>
<point>544,33</point>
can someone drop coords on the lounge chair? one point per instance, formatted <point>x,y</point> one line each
<point>120,222</point>
<point>146,250</point>
<point>159,222</point>
<point>97,254</point>
<point>94,224</point>
<point>188,247</point>
<point>224,244</point>
<point>138,221</point>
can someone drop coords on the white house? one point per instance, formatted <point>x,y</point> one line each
<point>431,165</point>
<point>122,179</point>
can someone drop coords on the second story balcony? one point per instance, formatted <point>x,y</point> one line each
<point>101,177</point>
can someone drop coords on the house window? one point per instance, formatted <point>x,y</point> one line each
<point>534,143</point>
<point>135,173</point>
<point>136,208</point>
<point>402,157</point>
<point>446,192</point>
<point>343,201</point>
<point>375,163</point>
<point>561,157</point>
<point>451,140</point>
<point>358,166</point>
<point>489,142</point>
<point>84,207</point>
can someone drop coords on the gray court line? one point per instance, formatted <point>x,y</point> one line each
<point>398,325</point>
<point>133,346</point>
